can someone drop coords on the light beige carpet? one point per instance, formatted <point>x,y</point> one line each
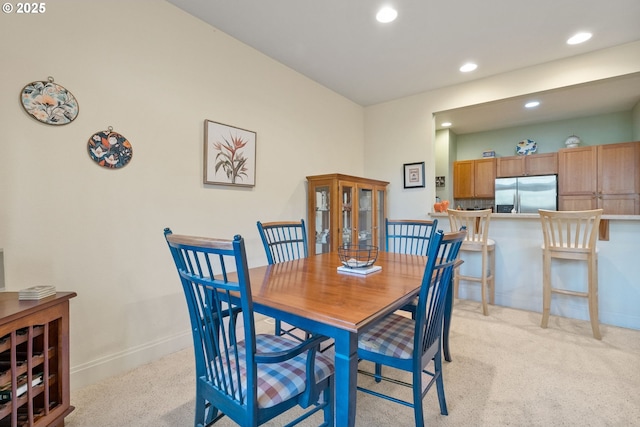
<point>506,371</point>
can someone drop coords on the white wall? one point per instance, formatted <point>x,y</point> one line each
<point>154,74</point>
<point>403,131</point>
<point>445,151</point>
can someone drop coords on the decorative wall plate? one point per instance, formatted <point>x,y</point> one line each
<point>110,149</point>
<point>526,147</point>
<point>49,102</point>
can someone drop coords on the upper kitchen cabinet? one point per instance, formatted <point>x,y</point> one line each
<point>602,176</point>
<point>474,179</point>
<point>533,165</point>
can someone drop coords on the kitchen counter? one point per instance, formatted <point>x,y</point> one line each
<point>519,270</point>
<point>536,216</point>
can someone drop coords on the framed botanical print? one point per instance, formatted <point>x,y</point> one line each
<point>229,155</point>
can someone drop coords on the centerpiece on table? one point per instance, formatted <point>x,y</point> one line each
<point>358,259</point>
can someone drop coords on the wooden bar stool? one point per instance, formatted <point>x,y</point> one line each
<point>571,235</point>
<point>477,240</point>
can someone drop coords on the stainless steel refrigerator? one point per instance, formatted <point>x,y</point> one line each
<point>526,194</point>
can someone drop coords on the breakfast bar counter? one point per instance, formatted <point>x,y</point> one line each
<point>519,269</point>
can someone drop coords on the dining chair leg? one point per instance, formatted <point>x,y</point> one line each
<point>378,375</point>
<point>330,408</point>
<point>456,282</point>
<point>483,268</point>
<point>418,413</point>
<point>546,289</point>
<point>492,275</point>
<point>437,360</point>
<point>448,311</point>
<point>200,411</point>
<point>593,297</point>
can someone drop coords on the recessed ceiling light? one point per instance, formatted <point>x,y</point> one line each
<point>532,104</point>
<point>446,124</point>
<point>386,15</point>
<point>469,66</point>
<point>579,38</point>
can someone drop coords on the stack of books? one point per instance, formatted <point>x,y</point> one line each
<point>37,292</point>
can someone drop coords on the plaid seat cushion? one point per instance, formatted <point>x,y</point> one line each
<point>391,336</point>
<point>278,382</point>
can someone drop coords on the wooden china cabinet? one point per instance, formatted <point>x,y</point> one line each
<point>345,210</point>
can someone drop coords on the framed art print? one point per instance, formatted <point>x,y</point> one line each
<point>229,155</point>
<point>413,175</point>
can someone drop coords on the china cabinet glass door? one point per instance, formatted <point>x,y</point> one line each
<point>380,210</point>
<point>322,219</point>
<point>365,216</point>
<point>346,198</point>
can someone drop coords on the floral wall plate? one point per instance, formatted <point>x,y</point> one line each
<point>526,147</point>
<point>49,102</point>
<point>110,149</point>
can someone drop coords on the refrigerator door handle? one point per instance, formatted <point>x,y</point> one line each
<point>519,201</point>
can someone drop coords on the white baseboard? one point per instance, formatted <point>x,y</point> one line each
<point>117,363</point>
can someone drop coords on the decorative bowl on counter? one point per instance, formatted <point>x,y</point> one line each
<point>357,256</point>
<point>526,147</point>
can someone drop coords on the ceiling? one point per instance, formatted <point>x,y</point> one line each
<point>340,45</point>
<point>584,100</point>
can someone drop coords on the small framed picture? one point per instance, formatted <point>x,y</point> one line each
<point>413,175</point>
<point>229,155</point>
<point>439,181</point>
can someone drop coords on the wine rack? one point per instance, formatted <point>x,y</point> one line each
<point>34,360</point>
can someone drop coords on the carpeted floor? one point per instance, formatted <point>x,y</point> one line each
<point>506,371</point>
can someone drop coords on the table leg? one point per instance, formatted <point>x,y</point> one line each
<point>346,364</point>
<point>448,309</point>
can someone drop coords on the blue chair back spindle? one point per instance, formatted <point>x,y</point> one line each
<point>409,236</point>
<point>283,240</point>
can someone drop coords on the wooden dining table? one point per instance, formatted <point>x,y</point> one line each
<point>312,294</point>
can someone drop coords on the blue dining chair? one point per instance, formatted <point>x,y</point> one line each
<point>411,345</point>
<point>249,377</point>
<point>284,241</point>
<point>409,236</point>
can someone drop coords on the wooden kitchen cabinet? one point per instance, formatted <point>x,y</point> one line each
<point>345,210</point>
<point>474,179</point>
<point>601,176</point>
<point>532,165</point>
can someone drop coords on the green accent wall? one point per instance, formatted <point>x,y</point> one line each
<point>549,136</point>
